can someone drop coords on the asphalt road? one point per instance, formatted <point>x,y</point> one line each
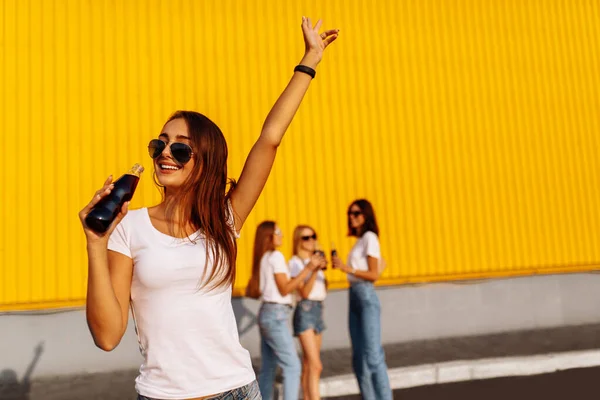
<point>574,384</point>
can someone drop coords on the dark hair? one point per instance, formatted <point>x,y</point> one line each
<point>203,199</point>
<point>263,242</point>
<point>370,221</point>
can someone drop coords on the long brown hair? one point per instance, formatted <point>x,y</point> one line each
<point>370,221</point>
<point>297,237</point>
<point>263,242</point>
<point>203,200</point>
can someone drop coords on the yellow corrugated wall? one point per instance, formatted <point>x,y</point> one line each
<point>471,125</point>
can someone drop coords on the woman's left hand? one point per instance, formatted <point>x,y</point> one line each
<point>315,42</point>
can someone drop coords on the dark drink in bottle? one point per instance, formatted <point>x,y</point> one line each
<point>107,209</point>
<point>333,252</point>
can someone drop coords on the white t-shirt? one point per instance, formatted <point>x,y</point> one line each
<point>319,289</point>
<point>367,245</point>
<point>271,263</point>
<point>188,337</point>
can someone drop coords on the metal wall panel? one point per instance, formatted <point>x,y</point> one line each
<point>471,125</point>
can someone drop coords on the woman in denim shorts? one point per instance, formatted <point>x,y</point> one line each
<point>308,317</point>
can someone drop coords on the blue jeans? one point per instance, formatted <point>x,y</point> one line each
<point>368,358</point>
<point>277,348</point>
<point>248,392</point>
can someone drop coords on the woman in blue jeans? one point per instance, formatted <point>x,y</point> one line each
<point>363,269</point>
<point>271,280</point>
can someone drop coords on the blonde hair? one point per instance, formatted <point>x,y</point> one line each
<point>297,237</point>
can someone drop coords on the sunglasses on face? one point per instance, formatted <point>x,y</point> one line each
<point>354,213</point>
<point>181,152</point>
<point>307,238</point>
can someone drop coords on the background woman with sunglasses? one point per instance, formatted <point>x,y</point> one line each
<point>175,262</point>
<point>363,269</point>
<point>308,316</point>
<point>271,280</point>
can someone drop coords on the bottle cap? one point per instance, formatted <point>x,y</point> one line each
<point>136,170</point>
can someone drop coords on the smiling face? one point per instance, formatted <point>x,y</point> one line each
<point>356,219</point>
<point>169,172</point>
<point>308,240</point>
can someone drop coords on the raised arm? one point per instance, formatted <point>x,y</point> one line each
<point>262,155</point>
<point>39,349</point>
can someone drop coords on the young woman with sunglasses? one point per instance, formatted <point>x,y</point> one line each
<point>271,280</point>
<point>175,262</point>
<point>363,269</point>
<point>308,315</point>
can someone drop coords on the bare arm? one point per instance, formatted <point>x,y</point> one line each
<point>262,155</point>
<point>286,285</point>
<point>306,287</point>
<point>109,290</point>
<point>371,275</point>
<point>109,281</point>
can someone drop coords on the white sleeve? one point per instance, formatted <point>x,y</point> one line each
<point>119,239</point>
<point>277,261</point>
<point>296,266</point>
<point>372,245</point>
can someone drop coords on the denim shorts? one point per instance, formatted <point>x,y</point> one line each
<point>308,315</point>
<point>248,392</point>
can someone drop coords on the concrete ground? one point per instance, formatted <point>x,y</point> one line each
<point>337,363</point>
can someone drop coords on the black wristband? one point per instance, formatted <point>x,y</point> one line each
<point>306,70</point>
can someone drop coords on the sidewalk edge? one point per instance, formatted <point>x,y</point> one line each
<point>466,370</point>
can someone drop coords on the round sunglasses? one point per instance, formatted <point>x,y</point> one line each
<point>181,152</point>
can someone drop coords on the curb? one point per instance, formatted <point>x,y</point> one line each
<point>466,370</point>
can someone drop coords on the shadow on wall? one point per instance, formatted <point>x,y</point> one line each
<point>10,386</point>
<point>245,318</point>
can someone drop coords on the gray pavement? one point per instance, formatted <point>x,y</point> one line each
<point>119,384</point>
<point>574,384</point>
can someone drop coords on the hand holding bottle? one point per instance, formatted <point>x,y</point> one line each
<point>321,253</point>
<point>109,205</point>
<point>90,234</point>
<point>337,262</point>
<point>317,261</point>
<point>333,251</point>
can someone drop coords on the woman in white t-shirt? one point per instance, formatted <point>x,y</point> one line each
<point>363,269</point>
<point>271,279</point>
<point>308,315</point>
<point>175,262</point>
